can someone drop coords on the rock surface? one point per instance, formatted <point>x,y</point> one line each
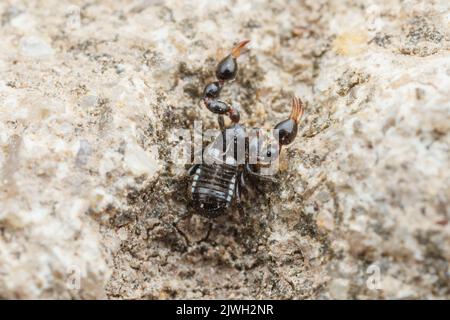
<point>90,92</point>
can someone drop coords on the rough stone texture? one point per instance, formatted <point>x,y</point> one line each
<point>88,191</point>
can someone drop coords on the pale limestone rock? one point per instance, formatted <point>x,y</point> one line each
<point>140,162</point>
<point>89,95</point>
<point>35,47</point>
<point>339,288</point>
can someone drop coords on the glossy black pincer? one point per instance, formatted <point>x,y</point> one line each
<point>228,68</point>
<point>287,129</point>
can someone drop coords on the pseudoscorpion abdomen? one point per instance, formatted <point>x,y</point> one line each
<point>213,186</point>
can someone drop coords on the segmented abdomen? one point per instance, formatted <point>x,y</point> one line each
<point>213,187</point>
